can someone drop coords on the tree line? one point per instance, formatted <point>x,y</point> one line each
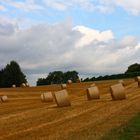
<point>12,75</point>
<point>58,77</point>
<point>132,71</point>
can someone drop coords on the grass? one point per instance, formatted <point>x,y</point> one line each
<point>129,131</point>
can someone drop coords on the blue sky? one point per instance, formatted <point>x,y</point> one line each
<point>93,29</point>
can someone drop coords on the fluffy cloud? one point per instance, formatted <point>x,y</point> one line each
<point>132,6</point>
<point>90,35</point>
<point>43,48</point>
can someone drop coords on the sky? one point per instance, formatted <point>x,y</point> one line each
<point>93,37</point>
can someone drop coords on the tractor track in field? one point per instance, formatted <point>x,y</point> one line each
<point>83,120</point>
<point>99,110</point>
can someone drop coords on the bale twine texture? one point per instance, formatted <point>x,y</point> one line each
<point>62,98</point>
<point>117,92</point>
<point>93,93</point>
<point>47,97</point>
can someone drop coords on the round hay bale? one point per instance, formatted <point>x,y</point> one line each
<point>23,85</point>
<point>69,82</point>
<point>62,98</point>
<point>137,78</point>
<point>13,86</point>
<point>121,82</point>
<point>93,93</point>
<point>63,86</point>
<point>117,92</point>
<point>92,85</point>
<point>27,85</point>
<point>4,98</point>
<point>47,97</point>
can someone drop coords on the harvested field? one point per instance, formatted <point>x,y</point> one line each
<point>25,117</point>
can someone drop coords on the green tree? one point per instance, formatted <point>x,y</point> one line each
<point>12,74</point>
<point>71,75</point>
<point>133,68</point>
<point>58,77</point>
<point>42,81</point>
<point>55,77</point>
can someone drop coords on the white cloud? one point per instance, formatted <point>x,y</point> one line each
<point>90,35</point>
<point>132,6</point>
<point>43,48</point>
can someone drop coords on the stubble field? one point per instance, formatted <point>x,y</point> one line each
<point>25,117</point>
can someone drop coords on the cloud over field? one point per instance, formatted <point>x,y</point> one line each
<point>43,48</point>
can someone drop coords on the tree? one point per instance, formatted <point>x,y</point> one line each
<point>133,68</point>
<point>71,75</point>
<point>1,77</point>
<point>55,77</point>
<point>12,74</point>
<point>42,81</point>
<point>58,77</point>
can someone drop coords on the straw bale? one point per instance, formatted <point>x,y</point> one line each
<point>93,93</point>
<point>13,86</point>
<point>4,98</point>
<point>117,92</point>
<point>69,81</point>
<point>121,82</point>
<point>27,85</point>
<point>137,78</point>
<point>62,98</point>
<point>23,85</point>
<point>63,86</point>
<point>47,97</point>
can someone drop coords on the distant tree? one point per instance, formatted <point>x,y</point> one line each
<point>71,75</point>
<point>1,78</point>
<point>86,79</point>
<point>133,68</point>
<point>42,81</point>
<point>12,74</point>
<point>58,77</point>
<point>55,77</point>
